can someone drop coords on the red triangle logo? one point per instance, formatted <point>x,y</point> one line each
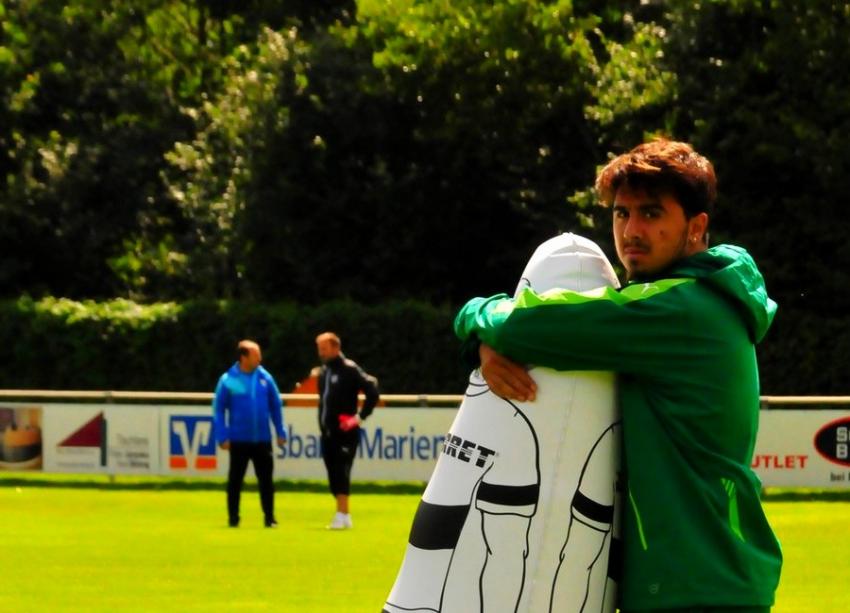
<point>89,434</point>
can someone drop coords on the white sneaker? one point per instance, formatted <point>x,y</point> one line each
<point>347,519</point>
<point>338,522</point>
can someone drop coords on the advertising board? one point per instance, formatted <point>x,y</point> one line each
<point>801,447</point>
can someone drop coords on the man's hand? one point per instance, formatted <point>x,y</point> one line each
<point>348,422</point>
<point>225,445</point>
<point>281,441</point>
<point>505,377</point>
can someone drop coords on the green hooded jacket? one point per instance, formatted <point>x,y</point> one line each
<point>683,347</point>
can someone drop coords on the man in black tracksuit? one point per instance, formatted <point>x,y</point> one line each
<point>340,381</point>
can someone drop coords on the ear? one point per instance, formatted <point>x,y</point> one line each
<point>697,225</point>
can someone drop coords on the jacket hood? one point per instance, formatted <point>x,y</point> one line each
<point>732,271</point>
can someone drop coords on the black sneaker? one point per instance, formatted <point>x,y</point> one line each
<point>233,523</point>
<point>271,523</point>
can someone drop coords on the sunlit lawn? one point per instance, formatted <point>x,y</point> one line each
<point>105,548</point>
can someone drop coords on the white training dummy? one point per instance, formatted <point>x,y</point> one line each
<point>522,508</point>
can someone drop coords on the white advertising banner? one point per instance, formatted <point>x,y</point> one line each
<point>75,438</point>
<point>101,439</point>
<point>302,456</point>
<point>795,447</point>
<point>803,448</point>
<point>133,439</point>
<point>187,442</point>
<point>402,441</point>
<point>397,444</point>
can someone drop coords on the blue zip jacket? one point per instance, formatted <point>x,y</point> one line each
<point>244,404</point>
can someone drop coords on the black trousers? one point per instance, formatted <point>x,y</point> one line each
<point>260,455</point>
<point>338,453</point>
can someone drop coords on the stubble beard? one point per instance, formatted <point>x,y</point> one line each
<point>681,252</point>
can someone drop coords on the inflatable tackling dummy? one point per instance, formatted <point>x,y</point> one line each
<point>522,510</point>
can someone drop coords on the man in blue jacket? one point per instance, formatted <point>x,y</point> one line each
<point>246,399</point>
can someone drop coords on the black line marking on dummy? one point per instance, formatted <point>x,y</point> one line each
<point>592,511</point>
<point>454,547</point>
<point>440,527</point>
<point>509,495</point>
<point>481,389</point>
<point>586,507</point>
<point>437,526</point>
<point>525,553</point>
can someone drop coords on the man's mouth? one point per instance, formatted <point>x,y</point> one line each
<point>635,249</point>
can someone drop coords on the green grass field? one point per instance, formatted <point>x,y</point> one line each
<point>79,546</point>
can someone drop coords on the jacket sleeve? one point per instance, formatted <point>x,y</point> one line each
<point>221,402</point>
<point>369,386</point>
<point>646,328</point>
<point>276,407</point>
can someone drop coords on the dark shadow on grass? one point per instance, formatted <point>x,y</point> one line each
<point>805,495</point>
<point>161,484</point>
<point>105,482</point>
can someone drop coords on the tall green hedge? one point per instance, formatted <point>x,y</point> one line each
<point>121,345</point>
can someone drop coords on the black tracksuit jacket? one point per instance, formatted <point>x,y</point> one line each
<point>340,381</point>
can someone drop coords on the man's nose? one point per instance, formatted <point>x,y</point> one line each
<point>632,228</point>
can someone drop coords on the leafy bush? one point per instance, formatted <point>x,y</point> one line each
<point>121,345</point>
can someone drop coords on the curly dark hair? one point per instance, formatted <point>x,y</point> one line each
<point>662,166</point>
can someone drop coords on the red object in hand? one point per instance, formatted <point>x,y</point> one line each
<point>348,422</point>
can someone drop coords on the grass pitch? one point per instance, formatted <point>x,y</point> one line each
<point>76,549</point>
<point>68,546</point>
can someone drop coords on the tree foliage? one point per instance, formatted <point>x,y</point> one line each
<point>385,149</point>
<point>453,133</point>
<point>768,102</point>
<point>123,345</point>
